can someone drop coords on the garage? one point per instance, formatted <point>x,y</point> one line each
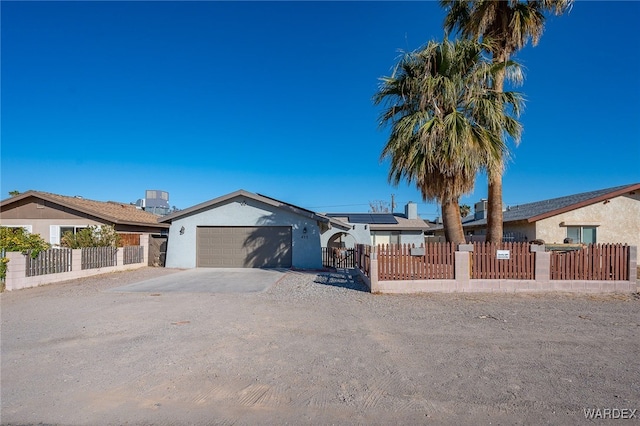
<point>245,230</point>
<point>243,247</point>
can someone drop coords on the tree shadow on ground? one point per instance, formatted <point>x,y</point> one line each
<point>342,279</point>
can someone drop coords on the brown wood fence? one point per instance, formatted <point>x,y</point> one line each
<point>51,261</point>
<point>485,263</point>
<point>593,262</point>
<point>99,257</point>
<point>401,261</point>
<point>129,240</point>
<point>132,254</point>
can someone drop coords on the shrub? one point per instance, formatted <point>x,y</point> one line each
<point>3,272</point>
<point>18,239</point>
<point>93,236</point>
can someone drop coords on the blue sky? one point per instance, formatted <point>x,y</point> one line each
<point>108,99</point>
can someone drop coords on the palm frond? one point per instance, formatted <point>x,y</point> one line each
<point>446,123</point>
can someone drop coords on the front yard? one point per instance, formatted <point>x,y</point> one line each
<point>313,348</point>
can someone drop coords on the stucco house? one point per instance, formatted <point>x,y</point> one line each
<point>243,229</point>
<point>610,215</point>
<point>377,228</point>
<point>51,215</point>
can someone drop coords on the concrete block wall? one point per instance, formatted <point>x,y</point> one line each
<point>16,269</point>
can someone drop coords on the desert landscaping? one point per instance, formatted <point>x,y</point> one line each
<point>313,348</point>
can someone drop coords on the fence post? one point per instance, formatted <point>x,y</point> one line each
<point>76,260</point>
<point>119,256</point>
<point>542,273</point>
<point>462,266</point>
<point>16,270</point>
<point>633,267</point>
<point>373,270</point>
<point>144,242</point>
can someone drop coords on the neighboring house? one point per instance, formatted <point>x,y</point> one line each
<point>610,215</point>
<point>377,228</point>
<point>51,215</point>
<point>246,230</point>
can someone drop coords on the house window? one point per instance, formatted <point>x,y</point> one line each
<point>73,229</point>
<point>582,234</point>
<point>394,238</point>
<point>385,237</point>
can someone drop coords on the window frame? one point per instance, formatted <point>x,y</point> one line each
<point>580,229</point>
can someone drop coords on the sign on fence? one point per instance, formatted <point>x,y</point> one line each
<point>503,254</point>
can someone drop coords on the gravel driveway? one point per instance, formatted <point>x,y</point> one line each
<point>312,349</point>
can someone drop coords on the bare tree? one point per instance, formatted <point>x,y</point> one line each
<point>378,206</point>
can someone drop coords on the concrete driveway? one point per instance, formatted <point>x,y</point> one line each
<point>208,280</point>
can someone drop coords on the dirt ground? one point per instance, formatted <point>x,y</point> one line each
<point>312,349</point>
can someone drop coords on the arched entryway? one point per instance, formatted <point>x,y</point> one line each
<point>342,240</point>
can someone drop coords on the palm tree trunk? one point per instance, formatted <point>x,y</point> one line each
<point>452,222</point>
<point>494,193</point>
<point>494,207</point>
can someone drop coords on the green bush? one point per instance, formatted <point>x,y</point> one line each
<point>3,272</point>
<point>18,239</point>
<point>93,236</point>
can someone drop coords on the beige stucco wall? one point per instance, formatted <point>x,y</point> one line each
<point>617,221</point>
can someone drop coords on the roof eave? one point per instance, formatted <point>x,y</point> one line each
<point>149,224</point>
<point>585,203</point>
<point>80,209</point>
<point>242,193</point>
<point>399,228</point>
<point>53,200</point>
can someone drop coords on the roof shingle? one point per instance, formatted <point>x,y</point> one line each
<point>545,208</point>
<point>111,211</point>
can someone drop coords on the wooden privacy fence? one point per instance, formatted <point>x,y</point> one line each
<point>51,261</point>
<point>338,257</point>
<point>515,262</point>
<point>133,254</point>
<point>129,240</point>
<point>99,257</point>
<point>594,262</point>
<point>407,262</point>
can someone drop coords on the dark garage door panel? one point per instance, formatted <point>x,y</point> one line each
<point>244,247</point>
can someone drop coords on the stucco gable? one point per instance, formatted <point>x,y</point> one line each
<point>244,195</point>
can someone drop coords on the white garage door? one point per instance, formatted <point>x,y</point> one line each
<point>243,247</point>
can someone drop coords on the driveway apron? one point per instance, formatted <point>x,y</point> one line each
<point>208,280</point>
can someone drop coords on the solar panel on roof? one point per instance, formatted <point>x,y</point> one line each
<point>359,218</point>
<point>376,218</point>
<point>383,219</point>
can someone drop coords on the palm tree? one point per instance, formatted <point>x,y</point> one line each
<point>504,26</point>
<point>446,124</point>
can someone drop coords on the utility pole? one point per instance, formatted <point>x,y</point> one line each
<point>393,203</point>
